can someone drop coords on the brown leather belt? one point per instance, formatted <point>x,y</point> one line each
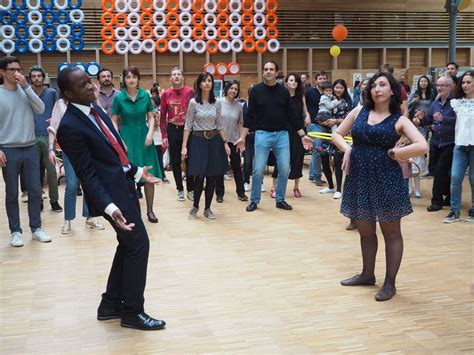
<point>206,134</point>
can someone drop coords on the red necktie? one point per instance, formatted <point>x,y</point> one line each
<point>118,148</point>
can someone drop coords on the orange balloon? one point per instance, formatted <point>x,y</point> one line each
<point>339,33</point>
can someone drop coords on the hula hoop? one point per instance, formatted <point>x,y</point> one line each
<point>187,45</point>
<point>247,32</point>
<point>147,32</point>
<point>198,33</point>
<point>237,45</point>
<point>148,45</point>
<point>260,32</point>
<point>223,32</point>
<point>121,47</point>
<point>58,5</point>
<point>63,45</point>
<point>35,17</point>
<point>249,45</point>
<point>212,46</point>
<point>107,19</point>
<point>186,32</point>
<point>8,46</point>
<point>327,136</point>
<point>35,45</point>
<point>174,45</point>
<point>161,45</point>
<point>210,33</point>
<point>235,6</point>
<point>185,18</point>
<point>159,5</point>
<point>172,18</point>
<point>29,5</point>
<point>62,17</point>
<point>134,33</point>
<point>24,32</point>
<point>272,32</point>
<point>77,27</point>
<point>6,17</point>
<point>121,33</point>
<point>235,19</point>
<point>76,16</point>
<point>135,47</point>
<point>160,32</point>
<point>210,6</point>
<point>47,19</point>
<point>121,6</point>
<point>49,45</point>
<point>224,46</point>
<point>108,47</point>
<point>197,20</point>
<point>64,31</point>
<point>261,46</point>
<point>210,19</point>
<point>49,32</point>
<point>222,19</point>
<point>120,20</point>
<point>173,33</point>
<point>198,6</point>
<point>247,19</point>
<point>146,18</point>
<point>133,19</point>
<point>273,45</point>
<point>77,44</point>
<point>21,46</point>
<point>185,5</point>
<point>199,46</point>
<point>35,31</point>
<point>259,19</point>
<point>159,18</point>
<point>104,7</point>
<point>259,6</point>
<point>235,32</point>
<point>271,19</point>
<point>21,17</point>
<point>8,31</point>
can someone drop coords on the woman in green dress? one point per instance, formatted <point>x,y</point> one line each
<point>132,113</point>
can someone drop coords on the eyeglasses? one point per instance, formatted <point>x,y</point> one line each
<point>443,85</point>
<point>14,70</point>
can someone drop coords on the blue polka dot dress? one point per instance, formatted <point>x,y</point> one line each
<point>375,189</point>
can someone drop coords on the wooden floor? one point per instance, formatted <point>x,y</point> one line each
<point>262,282</point>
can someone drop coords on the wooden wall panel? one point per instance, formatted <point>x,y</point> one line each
<point>50,61</point>
<point>371,58</point>
<point>223,58</point>
<point>142,62</point>
<point>322,60</point>
<point>194,63</point>
<point>347,59</point>
<point>27,60</point>
<point>276,57</point>
<point>247,62</point>
<point>297,60</point>
<point>463,56</point>
<point>439,57</point>
<point>166,61</point>
<point>245,81</point>
<point>113,62</point>
<point>418,57</point>
<point>396,57</point>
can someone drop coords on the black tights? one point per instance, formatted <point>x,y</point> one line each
<point>393,248</point>
<point>209,192</point>
<point>337,169</point>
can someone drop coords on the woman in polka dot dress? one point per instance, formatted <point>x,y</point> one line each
<point>374,189</point>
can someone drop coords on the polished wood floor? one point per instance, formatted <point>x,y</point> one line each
<point>262,282</point>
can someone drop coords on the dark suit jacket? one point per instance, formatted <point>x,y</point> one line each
<point>95,161</point>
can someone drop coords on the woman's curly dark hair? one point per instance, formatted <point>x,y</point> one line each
<point>459,91</point>
<point>395,99</point>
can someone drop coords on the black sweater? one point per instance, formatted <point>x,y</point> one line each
<point>270,109</point>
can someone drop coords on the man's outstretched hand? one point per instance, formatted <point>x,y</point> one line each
<point>148,178</point>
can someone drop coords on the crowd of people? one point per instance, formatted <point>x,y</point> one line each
<point>108,134</point>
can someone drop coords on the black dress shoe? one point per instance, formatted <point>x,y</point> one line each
<point>243,197</point>
<point>252,207</point>
<point>434,208</point>
<point>358,280</point>
<point>151,217</point>
<point>139,193</point>
<point>55,207</point>
<point>385,293</point>
<point>143,321</point>
<point>219,199</point>
<point>283,205</point>
<point>108,313</point>
<point>79,191</point>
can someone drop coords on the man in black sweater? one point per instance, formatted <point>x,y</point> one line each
<point>270,112</point>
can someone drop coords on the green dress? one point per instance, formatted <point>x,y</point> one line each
<point>134,129</point>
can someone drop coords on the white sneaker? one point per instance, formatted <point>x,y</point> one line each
<point>262,189</point>
<point>92,223</point>
<point>41,236</point>
<point>226,177</point>
<point>181,196</point>
<point>66,228</point>
<point>326,190</point>
<point>190,195</point>
<point>337,195</point>
<point>44,195</point>
<point>17,240</point>
<point>24,196</point>
<point>246,187</point>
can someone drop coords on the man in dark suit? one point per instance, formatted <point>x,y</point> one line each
<point>87,136</point>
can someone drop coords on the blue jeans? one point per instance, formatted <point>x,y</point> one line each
<point>463,156</point>
<point>24,161</point>
<point>265,141</point>
<point>70,195</point>
<point>315,171</point>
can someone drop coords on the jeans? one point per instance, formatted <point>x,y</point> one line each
<point>463,157</point>
<point>42,146</point>
<point>70,194</point>
<point>22,161</point>
<point>265,141</point>
<point>315,170</point>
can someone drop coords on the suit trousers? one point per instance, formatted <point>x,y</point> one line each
<point>127,278</point>
<point>442,158</point>
<point>236,169</point>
